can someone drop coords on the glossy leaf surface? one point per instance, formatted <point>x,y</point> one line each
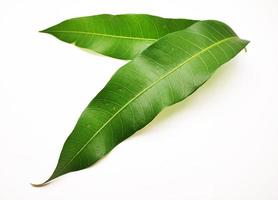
<point>117,36</point>
<point>163,74</point>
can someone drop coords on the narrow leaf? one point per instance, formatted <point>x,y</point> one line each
<point>163,74</point>
<point>117,36</point>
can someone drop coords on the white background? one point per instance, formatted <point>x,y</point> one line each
<point>219,144</point>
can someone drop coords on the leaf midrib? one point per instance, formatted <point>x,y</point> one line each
<point>144,90</point>
<point>103,35</point>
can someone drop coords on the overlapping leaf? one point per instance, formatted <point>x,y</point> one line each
<point>165,73</point>
<point>117,36</point>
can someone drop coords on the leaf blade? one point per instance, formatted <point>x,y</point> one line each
<point>119,36</point>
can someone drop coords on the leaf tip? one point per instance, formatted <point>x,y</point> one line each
<point>40,184</point>
<point>246,43</point>
<point>43,31</point>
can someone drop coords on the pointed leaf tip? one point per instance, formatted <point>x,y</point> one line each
<point>48,181</point>
<point>43,31</point>
<point>40,185</point>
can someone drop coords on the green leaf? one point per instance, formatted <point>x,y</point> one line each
<point>117,36</point>
<point>163,74</point>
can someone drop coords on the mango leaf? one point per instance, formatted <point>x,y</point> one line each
<point>163,74</point>
<point>117,36</point>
